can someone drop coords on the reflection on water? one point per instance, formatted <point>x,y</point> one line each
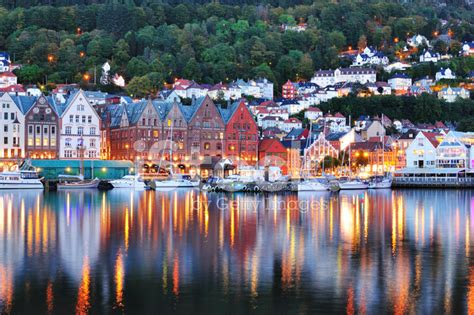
<point>184,251</point>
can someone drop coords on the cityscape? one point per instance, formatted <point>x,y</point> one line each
<point>237,156</point>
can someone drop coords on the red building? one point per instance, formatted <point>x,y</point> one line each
<point>271,152</point>
<point>241,132</point>
<point>288,90</point>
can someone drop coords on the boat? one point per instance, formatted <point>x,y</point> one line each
<point>352,184</point>
<point>176,181</point>
<point>313,185</point>
<point>21,179</point>
<point>380,182</point>
<point>129,181</point>
<point>233,183</point>
<point>83,184</point>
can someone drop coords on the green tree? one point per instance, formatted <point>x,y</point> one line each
<point>139,86</point>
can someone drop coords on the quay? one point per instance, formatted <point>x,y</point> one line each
<point>433,178</point>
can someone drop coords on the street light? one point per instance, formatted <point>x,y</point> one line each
<point>86,77</point>
<point>50,58</point>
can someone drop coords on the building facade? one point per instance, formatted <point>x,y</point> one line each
<point>42,129</point>
<point>79,129</point>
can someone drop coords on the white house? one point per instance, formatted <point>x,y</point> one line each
<point>450,94</point>
<point>294,106</point>
<point>429,56</point>
<point>290,123</point>
<point>33,91</point>
<point>468,48</point>
<point>370,56</point>
<point>196,91</point>
<point>456,150</point>
<point>272,121</point>
<point>324,78</point>
<point>266,88</point>
<point>7,79</point>
<point>397,66</point>
<point>418,40</point>
<point>446,74</point>
<point>5,61</point>
<point>400,82</point>
<point>12,125</point>
<point>421,152</point>
<point>335,123</point>
<point>313,113</point>
<point>79,129</point>
<point>249,89</point>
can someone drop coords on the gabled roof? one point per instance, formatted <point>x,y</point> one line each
<point>135,110</point>
<point>24,103</point>
<point>271,145</point>
<point>432,137</point>
<point>228,112</point>
<point>16,88</point>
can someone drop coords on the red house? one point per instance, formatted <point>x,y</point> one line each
<point>241,132</point>
<point>288,90</point>
<point>271,152</point>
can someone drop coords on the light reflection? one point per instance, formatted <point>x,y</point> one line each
<point>258,245</point>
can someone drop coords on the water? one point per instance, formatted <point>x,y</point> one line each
<point>400,251</point>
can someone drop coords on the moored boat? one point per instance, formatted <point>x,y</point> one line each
<point>20,180</point>
<point>83,184</point>
<point>129,181</point>
<point>352,184</point>
<point>176,181</point>
<point>313,185</point>
<point>380,182</point>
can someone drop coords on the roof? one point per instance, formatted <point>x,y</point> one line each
<point>313,109</point>
<point>400,76</point>
<point>271,145</point>
<point>335,136</point>
<point>8,74</point>
<point>24,103</point>
<point>432,137</point>
<point>228,112</point>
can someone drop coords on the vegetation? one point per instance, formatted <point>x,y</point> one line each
<point>153,42</point>
<point>424,108</point>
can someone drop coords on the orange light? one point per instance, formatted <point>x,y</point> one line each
<point>50,58</point>
<point>82,54</point>
<point>86,77</point>
<point>396,39</point>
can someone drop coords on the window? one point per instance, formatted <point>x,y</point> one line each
<point>12,116</point>
<point>5,116</point>
<point>219,146</point>
<point>67,142</point>
<point>53,130</point>
<point>38,130</point>
<point>80,131</point>
<point>45,141</point>
<point>92,130</point>
<point>71,118</point>
<point>5,140</point>
<point>92,143</point>
<point>45,130</point>
<point>38,141</point>
<point>89,119</point>
<point>30,140</point>
<point>207,146</point>
<point>77,118</point>
<point>68,153</point>
<point>68,130</point>
<point>5,128</point>
<point>83,119</point>
<point>30,129</point>
<point>53,141</point>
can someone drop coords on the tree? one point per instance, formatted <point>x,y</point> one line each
<point>136,67</point>
<point>139,86</point>
<point>29,74</point>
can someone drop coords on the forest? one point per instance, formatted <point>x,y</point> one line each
<point>152,43</point>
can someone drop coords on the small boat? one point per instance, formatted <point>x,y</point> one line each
<point>20,180</point>
<point>210,184</point>
<point>129,181</point>
<point>352,184</point>
<point>177,181</point>
<point>380,182</point>
<point>83,184</point>
<point>313,185</point>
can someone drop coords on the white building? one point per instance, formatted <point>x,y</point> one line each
<point>324,78</point>
<point>421,152</point>
<point>294,106</point>
<point>313,113</point>
<point>12,125</point>
<point>429,56</point>
<point>7,79</point>
<point>468,48</point>
<point>266,88</point>
<point>450,94</point>
<point>196,91</point>
<point>418,40</point>
<point>456,150</point>
<point>79,128</point>
<point>272,121</point>
<point>370,56</point>
<point>290,123</point>
<point>446,74</point>
<point>400,82</point>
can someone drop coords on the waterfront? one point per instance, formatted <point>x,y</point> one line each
<point>184,251</point>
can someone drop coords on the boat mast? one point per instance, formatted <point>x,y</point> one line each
<point>170,124</point>
<point>383,152</point>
